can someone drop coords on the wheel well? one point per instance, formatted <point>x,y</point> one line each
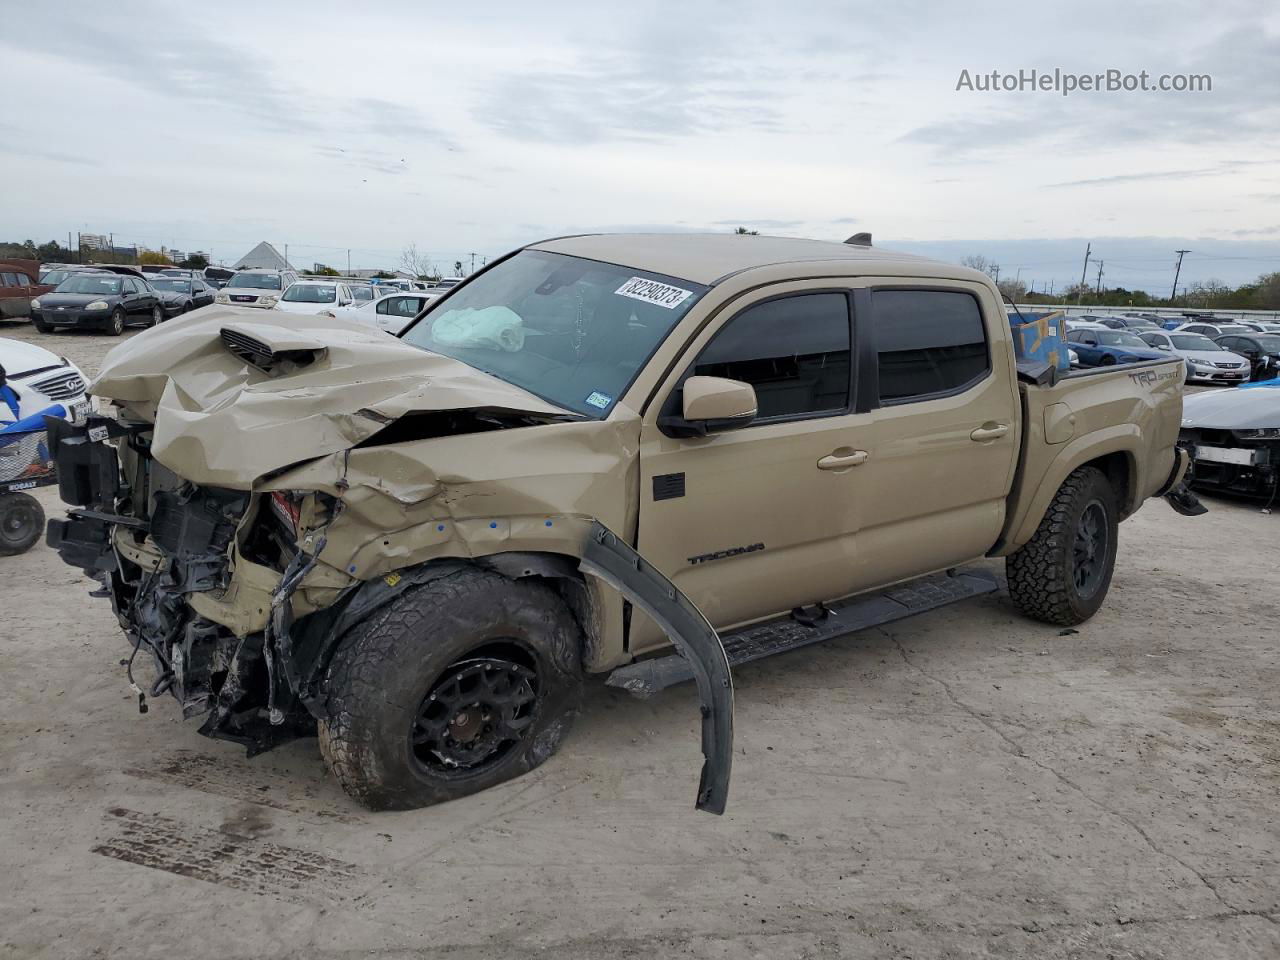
<point>1118,469</point>
<point>560,572</point>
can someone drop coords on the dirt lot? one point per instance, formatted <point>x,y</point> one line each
<point>967,784</point>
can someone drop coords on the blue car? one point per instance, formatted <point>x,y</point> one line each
<point>1102,348</point>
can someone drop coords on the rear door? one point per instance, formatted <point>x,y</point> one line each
<point>942,443</point>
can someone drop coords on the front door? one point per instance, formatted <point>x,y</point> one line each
<point>753,521</point>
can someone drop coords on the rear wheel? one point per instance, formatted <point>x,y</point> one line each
<point>115,324</point>
<point>157,316</point>
<point>1062,574</point>
<point>21,522</point>
<point>453,687</point>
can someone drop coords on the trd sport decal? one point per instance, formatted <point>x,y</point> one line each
<point>721,554</point>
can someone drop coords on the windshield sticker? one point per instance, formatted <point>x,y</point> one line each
<point>599,400</point>
<point>651,291</point>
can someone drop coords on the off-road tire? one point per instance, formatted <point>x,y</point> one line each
<point>114,326</point>
<point>21,523</point>
<point>1041,573</point>
<point>384,669</point>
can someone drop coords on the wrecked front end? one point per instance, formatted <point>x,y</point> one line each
<point>272,490</point>
<point>202,580</point>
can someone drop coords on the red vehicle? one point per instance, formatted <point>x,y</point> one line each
<point>19,283</point>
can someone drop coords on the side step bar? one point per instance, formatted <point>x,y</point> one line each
<point>648,677</point>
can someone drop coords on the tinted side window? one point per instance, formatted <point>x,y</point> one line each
<point>794,351</point>
<point>927,342</point>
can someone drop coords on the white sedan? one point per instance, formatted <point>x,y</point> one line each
<point>1206,360</point>
<point>36,380</point>
<point>391,313</point>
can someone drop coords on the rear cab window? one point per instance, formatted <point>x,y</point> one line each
<point>928,343</point>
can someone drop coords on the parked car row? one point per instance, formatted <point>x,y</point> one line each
<point>388,305</point>
<point>1226,353</point>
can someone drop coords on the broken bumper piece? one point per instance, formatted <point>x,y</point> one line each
<point>608,558</point>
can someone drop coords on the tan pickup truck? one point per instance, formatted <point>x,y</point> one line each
<point>595,447</point>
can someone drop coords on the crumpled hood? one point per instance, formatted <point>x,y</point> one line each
<point>221,421</point>
<point>1239,409</point>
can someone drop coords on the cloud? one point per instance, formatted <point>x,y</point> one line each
<point>646,93</point>
<point>1142,177</point>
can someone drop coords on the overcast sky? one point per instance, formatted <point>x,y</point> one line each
<point>480,127</point>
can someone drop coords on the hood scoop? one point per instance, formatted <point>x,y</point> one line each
<point>271,348</point>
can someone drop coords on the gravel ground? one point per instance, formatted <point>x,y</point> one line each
<point>965,784</point>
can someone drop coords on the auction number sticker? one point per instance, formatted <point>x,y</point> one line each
<point>651,291</point>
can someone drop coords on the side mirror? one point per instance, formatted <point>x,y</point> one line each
<point>712,405</point>
<point>1164,346</point>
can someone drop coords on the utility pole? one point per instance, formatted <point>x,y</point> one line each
<point>996,276</point>
<point>286,256</point>
<point>68,243</point>
<point>473,263</point>
<point>1099,279</point>
<point>1087,250</point>
<point>1177,270</point>
<point>348,261</point>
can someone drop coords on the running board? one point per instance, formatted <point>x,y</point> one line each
<point>645,678</point>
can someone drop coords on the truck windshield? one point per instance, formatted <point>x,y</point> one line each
<point>572,331</point>
<point>255,281</point>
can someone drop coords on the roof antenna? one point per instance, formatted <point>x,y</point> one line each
<point>860,239</point>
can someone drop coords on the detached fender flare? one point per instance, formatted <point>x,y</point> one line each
<point>607,557</point>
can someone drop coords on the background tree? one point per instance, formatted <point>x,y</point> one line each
<point>1268,291</point>
<point>976,262</point>
<point>744,232</point>
<point>1015,290</point>
<point>197,261</point>
<point>415,263</point>
<point>154,256</point>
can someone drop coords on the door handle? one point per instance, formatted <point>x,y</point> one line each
<point>842,461</point>
<point>990,433</point>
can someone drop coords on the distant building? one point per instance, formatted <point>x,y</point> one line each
<point>95,241</point>
<point>177,256</point>
<point>263,257</point>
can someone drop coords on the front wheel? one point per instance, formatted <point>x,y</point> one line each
<point>1062,574</point>
<point>115,325</point>
<point>455,686</point>
<point>42,327</point>
<point>21,522</point>
<point>1108,360</point>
